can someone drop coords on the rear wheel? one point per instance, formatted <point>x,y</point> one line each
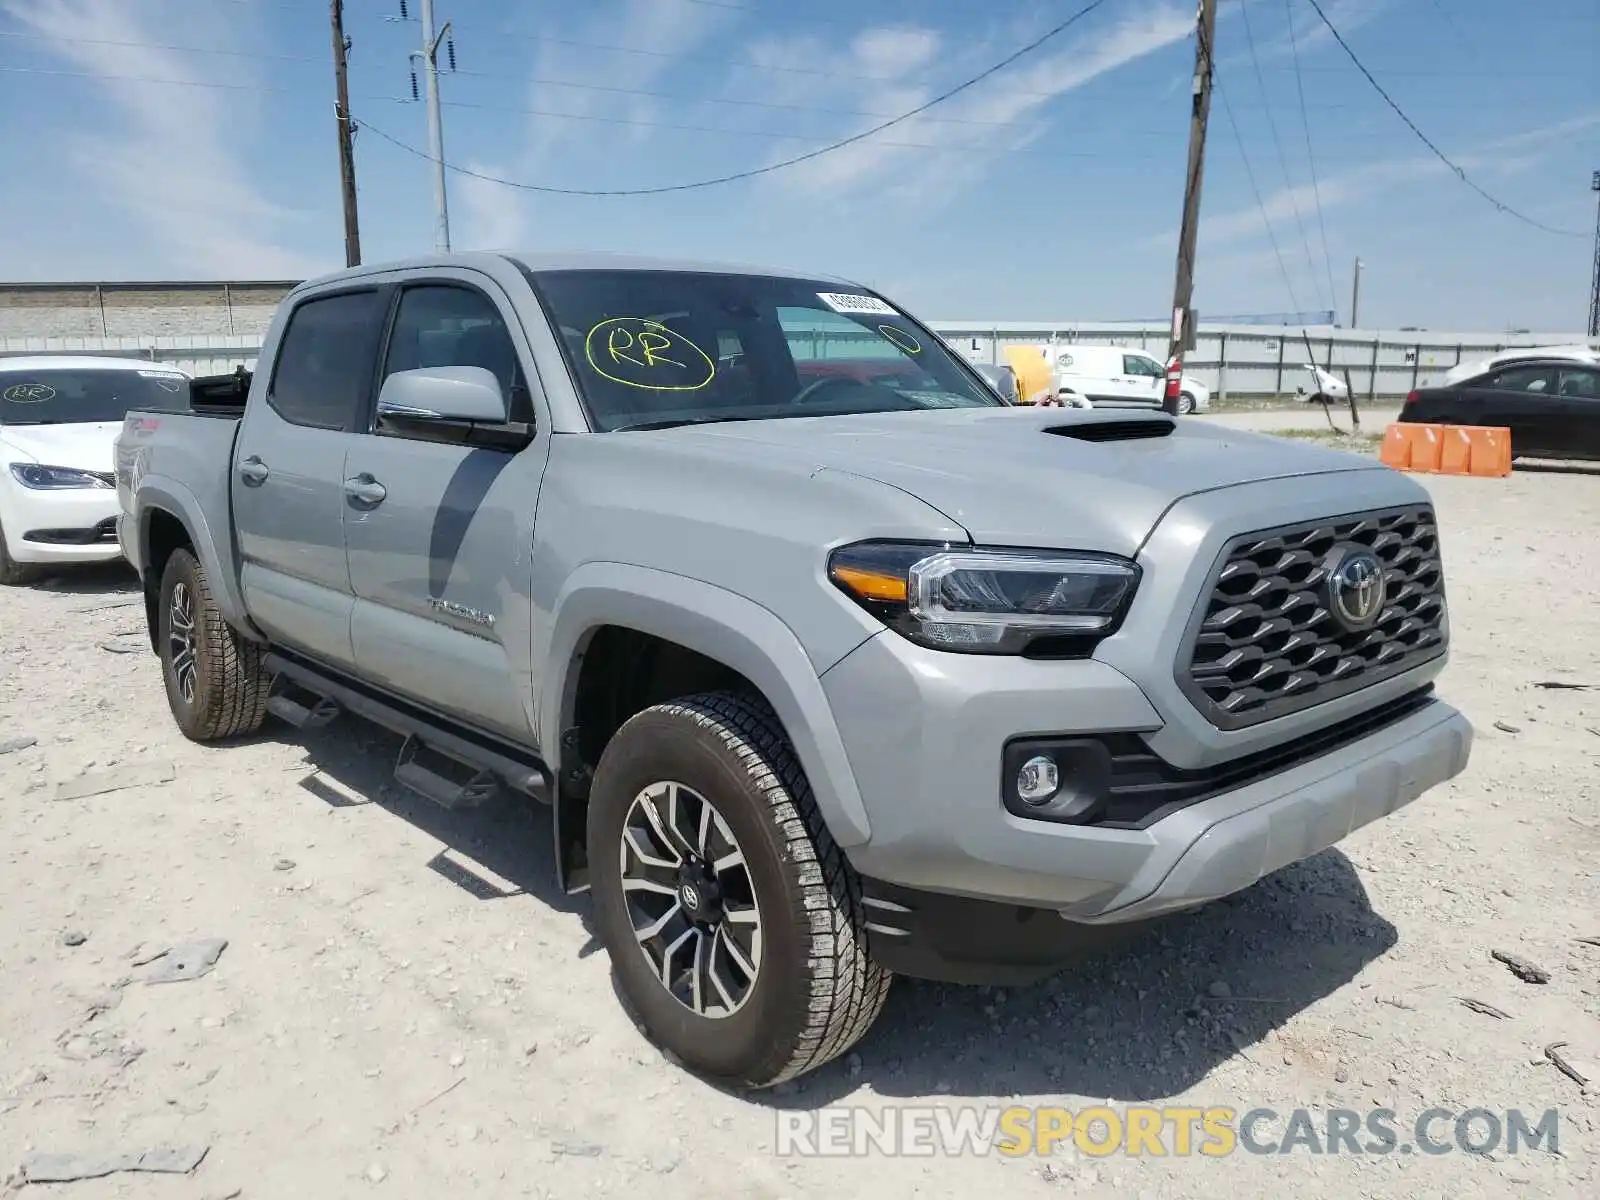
<point>13,573</point>
<point>1186,404</point>
<point>732,920</point>
<point>217,686</point>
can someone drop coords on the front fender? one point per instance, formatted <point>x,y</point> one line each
<point>165,494</point>
<point>725,627</point>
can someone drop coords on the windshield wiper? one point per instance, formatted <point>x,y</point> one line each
<point>674,422</point>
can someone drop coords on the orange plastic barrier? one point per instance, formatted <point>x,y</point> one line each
<point>1479,450</point>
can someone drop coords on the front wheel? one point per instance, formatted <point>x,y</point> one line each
<point>732,920</point>
<point>217,685</point>
<point>1186,404</point>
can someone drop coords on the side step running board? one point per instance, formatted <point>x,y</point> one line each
<point>422,769</point>
<point>301,707</point>
<point>434,751</point>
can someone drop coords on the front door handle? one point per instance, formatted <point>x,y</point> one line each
<point>253,472</point>
<point>366,490</point>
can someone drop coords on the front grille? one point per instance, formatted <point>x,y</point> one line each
<point>1266,642</point>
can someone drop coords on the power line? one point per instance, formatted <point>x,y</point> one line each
<point>964,147</point>
<point>535,80</point>
<point>641,123</point>
<point>1311,158</point>
<point>1459,172</point>
<point>1277,252</point>
<point>788,162</point>
<point>1277,141</point>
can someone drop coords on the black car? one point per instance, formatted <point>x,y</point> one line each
<point>1551,406</point>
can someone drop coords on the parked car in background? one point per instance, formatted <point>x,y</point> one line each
<point>1193,396</point>
<point>1107,377</point>
<point>1002,378</point>
<point>59,418</point>
<point>1118,377</point>
<point>1325,387</point>
<point>1551,406</point>
<point>1506,358</point>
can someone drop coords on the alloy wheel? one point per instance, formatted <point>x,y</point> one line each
<point>180,641</point>
<point>690,899</point>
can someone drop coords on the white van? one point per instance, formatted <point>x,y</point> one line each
<point>1108,376</point>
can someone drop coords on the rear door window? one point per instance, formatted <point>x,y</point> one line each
<point>1536,380</point>
<point>1581,382</point>
<point>325,364</point>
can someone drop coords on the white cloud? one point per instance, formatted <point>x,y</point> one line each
<point>973,129</point>
<point>1502,156</point>
<point>1308,31</point>
<point>171,156</point>
<point>493,217</point>
<point>665,30</point>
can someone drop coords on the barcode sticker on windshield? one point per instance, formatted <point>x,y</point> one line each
<point>846,302</point>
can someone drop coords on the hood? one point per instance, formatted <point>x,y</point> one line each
<point>1082,479</point>
<point>85,447</point>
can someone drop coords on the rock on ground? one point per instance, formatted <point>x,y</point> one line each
<point>371,1025</point>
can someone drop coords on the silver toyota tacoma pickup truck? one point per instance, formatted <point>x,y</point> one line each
<point>830,665</point>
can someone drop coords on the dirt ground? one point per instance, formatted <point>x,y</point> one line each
<point>406,1008</point>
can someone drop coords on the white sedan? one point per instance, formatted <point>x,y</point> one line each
<point>59,419</point>
<point>1193,396</point>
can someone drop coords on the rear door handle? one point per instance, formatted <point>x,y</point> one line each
<point>253,472</point>
<point>366,490</point>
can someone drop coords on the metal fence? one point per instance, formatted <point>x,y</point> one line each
<point>1238,361</point>
<point>1251,361</point>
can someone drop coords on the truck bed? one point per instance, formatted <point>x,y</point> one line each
<point>186,455</point>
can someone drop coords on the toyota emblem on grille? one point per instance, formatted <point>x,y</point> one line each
<point>1356,588</point>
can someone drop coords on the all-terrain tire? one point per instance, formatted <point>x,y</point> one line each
<point>229,687</point>
<point>816,991</point>
<point>13,573</point>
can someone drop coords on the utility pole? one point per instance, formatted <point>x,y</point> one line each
<point>1355,294</point>
<point>429,54</point>
<point>1200,112</point>
<point>347,158</point>
<point>1594,295</point>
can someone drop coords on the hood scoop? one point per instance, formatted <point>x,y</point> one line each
<point>1115,431</point>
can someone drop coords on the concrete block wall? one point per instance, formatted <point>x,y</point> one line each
<point>145,310</point>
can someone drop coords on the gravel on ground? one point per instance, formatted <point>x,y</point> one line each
<point>403,1004</point>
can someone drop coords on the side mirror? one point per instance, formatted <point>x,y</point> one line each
<point>442,395</point>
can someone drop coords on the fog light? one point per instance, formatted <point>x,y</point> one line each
<point>1038,780</point>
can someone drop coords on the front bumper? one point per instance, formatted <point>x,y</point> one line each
<point>65,526</point>
<point>925,734</point>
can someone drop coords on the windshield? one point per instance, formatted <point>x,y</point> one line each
<point>64,396</point>
<point>658,348</point>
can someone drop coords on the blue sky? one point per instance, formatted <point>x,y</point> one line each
<point>196,138</point>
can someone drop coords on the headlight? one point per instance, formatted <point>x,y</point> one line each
<point>984,601</point>
<point>49,479</point>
